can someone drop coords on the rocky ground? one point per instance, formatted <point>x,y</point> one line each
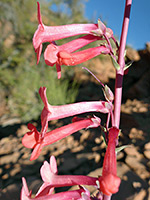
<point>83,152</point>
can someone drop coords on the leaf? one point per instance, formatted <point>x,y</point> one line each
<point>116,65</point>
<point>118,149</point>
<point>128,65</point>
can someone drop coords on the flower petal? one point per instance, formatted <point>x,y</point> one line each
<point>30,139</point>
<point>25,194</point>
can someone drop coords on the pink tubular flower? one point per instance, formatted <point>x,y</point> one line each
<point>62,55</point>
<point>51,54</point>
<point>42,195</point>
<point>81,56</point>
<point>58,112</point>
<point>53,33</point>
<point>109,181</point>
<point>37,141</point>
<point>49,176</point>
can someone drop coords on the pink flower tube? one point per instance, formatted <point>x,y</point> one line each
<point>37,141</point>
<point>76,58</point>
<point>74,194</point>
<point>51,54</point>
<point>49,176</point>
<point>58,112</point>
<point>109,181</point>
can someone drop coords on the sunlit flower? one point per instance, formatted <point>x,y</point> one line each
<point>52,33</point>
<point>50,177</point>
<point>50,112</point>
<point>109,181</point>
<point>52,51</point>
<point>46,194</point>
<point>36,141</point>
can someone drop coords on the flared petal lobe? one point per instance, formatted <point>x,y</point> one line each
<point>51,52</point>
<point>31,138</point>
<point>39,141</point>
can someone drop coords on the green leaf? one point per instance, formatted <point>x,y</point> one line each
<point>118,149</point>
<point>128,65</point>
<point>116,65</point>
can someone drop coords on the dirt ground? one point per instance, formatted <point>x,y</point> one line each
<point>83,152</point>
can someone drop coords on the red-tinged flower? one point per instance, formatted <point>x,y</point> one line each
<point>58,112</point>
<point>36,141</point>
<point>109,181</point>
<point>52,50</point>
<point>53,33</point>
<point>79,57</point>
<point>44,195</point>
<point>49,176</point>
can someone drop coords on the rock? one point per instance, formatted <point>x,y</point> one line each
<point>11,192</point>
<point>136,134</point>
<point>132,151</point>
<point>141,195</point>
<point>137,166</point>
<point>22,130</point>
<point>12,158</point>
<point>132,54</point>
<point>147,146</point>
<point>147,154</point>
<point>148,46</point>
<point>127,190</point>
<point>15,171</point>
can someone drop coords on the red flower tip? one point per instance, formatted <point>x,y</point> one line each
<point>109,184</point>
<point>113,133</point>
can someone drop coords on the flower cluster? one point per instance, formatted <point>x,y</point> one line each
<point>65,54</point>
<point>51,180</point>
<point>108,183</point>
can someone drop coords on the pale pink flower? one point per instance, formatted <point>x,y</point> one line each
<point>44,195</point>
<point>52,33</point>
<point>58,112</point>
<point>50,177</point>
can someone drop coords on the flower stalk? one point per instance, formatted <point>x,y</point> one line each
<point>120,72</point>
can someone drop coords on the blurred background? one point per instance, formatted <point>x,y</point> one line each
<point>21,78</point>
